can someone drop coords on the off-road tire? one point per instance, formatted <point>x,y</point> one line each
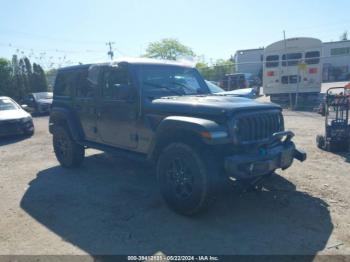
<point>320,141</point>
<point>67,151</point>
<point>198,177</point>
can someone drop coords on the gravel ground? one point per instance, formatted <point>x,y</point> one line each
<point>112,206</point>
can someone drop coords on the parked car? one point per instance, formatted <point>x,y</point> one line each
<point>241,81</point>
<point>164,113</point>
<point>245,92</point>
<point>38,103</point>
<point>13,119</point>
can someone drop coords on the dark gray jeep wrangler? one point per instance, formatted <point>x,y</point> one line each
<point>164,113</point>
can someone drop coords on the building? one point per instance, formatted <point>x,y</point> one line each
<point>249,61</point>
<point>335,61</point>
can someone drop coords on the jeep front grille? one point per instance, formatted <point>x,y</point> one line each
<point>255,127</point>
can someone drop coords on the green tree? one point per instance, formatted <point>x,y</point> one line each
<point>19,77</point>
<point>39,79</point>
<point>169,49</point>
<point>6,78</point>
<point>218,70</point>
<point>50,77</point>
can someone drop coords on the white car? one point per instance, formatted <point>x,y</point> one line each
<point>244,92</point>
<point>13,119</point>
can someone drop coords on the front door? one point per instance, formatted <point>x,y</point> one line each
<point>117,110</point>
<point>85,104</point>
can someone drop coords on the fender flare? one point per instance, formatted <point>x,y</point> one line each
<point>58,115</point>
<point>210,132</point>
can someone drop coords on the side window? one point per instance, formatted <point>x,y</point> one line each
<point>312,58</point>
<point>28,99</point>
<point>292,59</point>
<point>84,89</point>
<point>116,84</point>
<point>61,85</point>
<point>272,61</point>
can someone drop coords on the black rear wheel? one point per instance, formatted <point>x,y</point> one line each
<point>185,179</point>
<point>67,151</point>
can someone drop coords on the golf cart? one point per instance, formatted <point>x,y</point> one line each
<point>337,128</point>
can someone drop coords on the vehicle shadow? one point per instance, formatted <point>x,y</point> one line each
<point>346,156</point>
<point>112,206</point>
<point>12,139</point>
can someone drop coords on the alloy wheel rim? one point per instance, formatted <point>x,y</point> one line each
<point>180,178</point>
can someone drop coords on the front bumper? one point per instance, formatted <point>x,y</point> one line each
<point>15,127</point>
<point>265,159</point>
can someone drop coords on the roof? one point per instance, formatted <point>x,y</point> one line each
<point>334,42</point>
<point>137,61</point>
<point>151,61</point>
<point>250,50</point>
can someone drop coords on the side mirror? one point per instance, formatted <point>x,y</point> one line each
<point>25,107</point>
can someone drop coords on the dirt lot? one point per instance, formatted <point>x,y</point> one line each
<point>112,206</point>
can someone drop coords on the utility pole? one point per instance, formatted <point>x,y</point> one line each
<point>110,52</point>
<point>286,61</point>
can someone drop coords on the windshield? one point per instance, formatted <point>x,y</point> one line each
<point>173,80</point>
<point>43,95</point>
<point>7,104</point>
<point>214,88</point>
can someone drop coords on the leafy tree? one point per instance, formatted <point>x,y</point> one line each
<point>5,78</point>
<point>50,77</point>
<point>20,77</point>
<point>169,49</point>
<point>218,70</point>
<point>39,79</point>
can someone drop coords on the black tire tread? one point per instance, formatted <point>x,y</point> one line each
<point>206,169</point>
<point>77,152</point>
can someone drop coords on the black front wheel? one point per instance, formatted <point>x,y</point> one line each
<point>320,141</point>
<point>185,179</point>
<point>67,151</point>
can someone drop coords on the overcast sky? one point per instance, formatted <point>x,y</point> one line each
<point>78,30</point>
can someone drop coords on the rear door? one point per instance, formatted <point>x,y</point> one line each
<point>85,103</point>
<point>117,111</point>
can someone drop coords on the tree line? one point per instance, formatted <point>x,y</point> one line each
<point>172,49</point>
<point>19,77</point>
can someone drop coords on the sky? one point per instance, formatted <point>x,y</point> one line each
<point>71,31</point>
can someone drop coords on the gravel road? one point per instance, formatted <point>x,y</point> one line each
<point>112,206</point>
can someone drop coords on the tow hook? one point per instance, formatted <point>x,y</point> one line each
<point>300,155</point>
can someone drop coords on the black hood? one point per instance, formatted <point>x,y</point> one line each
<point>207,105</point>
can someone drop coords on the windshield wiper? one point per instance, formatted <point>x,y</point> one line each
<point>163,87</point>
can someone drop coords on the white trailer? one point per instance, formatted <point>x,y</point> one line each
<point>292,70</point>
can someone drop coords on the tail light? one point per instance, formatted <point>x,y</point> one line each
<point>312,70</point>
<point>270,73</point>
